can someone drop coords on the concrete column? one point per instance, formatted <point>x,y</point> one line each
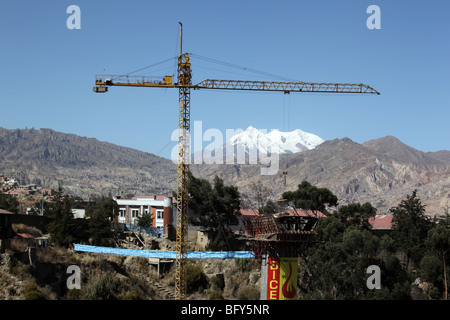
<point>263,281</point>
<point>167,215</point>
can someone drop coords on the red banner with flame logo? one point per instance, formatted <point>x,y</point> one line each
<point>282,279</point>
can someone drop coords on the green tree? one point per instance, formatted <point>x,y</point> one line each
<point>62,223</point>
<point>269,208</point>
<point>99,223</point>
<point>145,221</point>
<point>9,203</point>
<point>217,207</point>
<point>356,214</point>
<point>226,201</point>
<point>410,227</point>
<point>437,259</point>
<point>309,197</point>
<point>336,264</point>
<point>395,279</point>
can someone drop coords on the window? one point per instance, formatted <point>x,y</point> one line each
<point>134,213</point>
<point>159,214</point>
<point>122,212</point>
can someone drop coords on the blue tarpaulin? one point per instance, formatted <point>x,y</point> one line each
<point>153,231</point>
<point>165,254</point>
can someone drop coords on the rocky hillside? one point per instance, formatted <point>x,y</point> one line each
<point>81,165</point>
<point>382,171</point>
<point>43,275</point>
<point>396,150</point>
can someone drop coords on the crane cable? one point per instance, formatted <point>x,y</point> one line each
<point>226,64</point>
<point>147,67</point>
<point>286,120</point>
<point>231,65</point>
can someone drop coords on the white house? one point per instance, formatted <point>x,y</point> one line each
<point>161,208</point>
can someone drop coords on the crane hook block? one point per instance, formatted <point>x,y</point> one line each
<point>100,89</point>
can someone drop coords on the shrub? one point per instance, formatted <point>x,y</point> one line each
<point>132,295</point>
<point>104,288</point>
<point>218,281</point>
<point>242,264</point>
<point>19,269</point>
<point>32,292</point>
<point>215,295</point>
<point>74,294</point>
<point>195,279</point>
<point>145,221</point>
<point>248,293</point>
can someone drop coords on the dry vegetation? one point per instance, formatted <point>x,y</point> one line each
<point>111,277</point>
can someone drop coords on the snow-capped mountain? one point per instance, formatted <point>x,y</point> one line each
<point>254,142</point>
<point>276,141</point>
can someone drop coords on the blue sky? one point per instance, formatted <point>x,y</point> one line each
<point>47,70</point>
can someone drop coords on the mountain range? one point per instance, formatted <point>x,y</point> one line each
<point>81,165</point>
<point>253,142</point>
<point>381,171</point>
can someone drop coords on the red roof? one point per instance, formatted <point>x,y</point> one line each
<point>381,221</point>
<point>249,212</point>
<point>306,213</point>
<point>25,235</point>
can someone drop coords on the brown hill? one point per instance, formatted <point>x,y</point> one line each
<point>381,171</point>
<point>442,155</point>
<point>354,172</point>
<point>81,165</point>
<point>396,150</point>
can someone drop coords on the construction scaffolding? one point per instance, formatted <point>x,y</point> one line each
<point>279,235</point>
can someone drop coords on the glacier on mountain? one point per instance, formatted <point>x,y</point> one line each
<point>252,143</point>
<point>275,140</point>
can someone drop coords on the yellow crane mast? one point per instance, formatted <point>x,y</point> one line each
<point>184,120</point>
<point>184,85</point>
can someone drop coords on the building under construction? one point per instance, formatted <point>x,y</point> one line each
<point>280,235</point>
<point>279,240</point>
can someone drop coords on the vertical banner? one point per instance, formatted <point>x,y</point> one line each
<point>282,278</point>
<point>273,279</point>
<point>288,278</point>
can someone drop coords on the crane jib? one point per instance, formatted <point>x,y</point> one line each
<point>285,87</point>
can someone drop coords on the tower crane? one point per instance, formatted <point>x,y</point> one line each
<point>184,85</point>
